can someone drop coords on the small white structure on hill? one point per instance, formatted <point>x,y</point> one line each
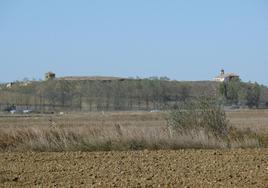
<point>9,85</point>
<point>226,77</point>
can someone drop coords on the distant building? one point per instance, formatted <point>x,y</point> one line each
<point>50,76</point>
<point>226,77</point>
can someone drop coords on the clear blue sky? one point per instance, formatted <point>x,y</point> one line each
<point>184,40</point>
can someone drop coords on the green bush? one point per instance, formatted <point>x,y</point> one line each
<point>200,114</point>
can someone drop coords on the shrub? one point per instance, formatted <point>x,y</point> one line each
<point>201,114</point>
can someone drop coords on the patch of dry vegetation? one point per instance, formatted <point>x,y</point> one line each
<point>103,139</point>
<point>114,138</point>
<point>124,131</point>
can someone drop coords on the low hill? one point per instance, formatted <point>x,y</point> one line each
<point>90,78</point>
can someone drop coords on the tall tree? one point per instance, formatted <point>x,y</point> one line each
<point>231,90</point>
<point>253,92</point>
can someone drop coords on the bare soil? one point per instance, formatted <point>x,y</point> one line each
<point>182,168</point>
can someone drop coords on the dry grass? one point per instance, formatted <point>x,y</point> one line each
<point>119,131</point>
<point>101,139</point>
<point>255,120</point>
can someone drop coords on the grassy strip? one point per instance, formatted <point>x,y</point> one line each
<point>119,138</point>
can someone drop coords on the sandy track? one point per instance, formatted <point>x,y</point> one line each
<point>183,168</point>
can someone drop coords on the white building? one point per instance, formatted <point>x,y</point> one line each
<point>225,77</point>
<point>9,85</point>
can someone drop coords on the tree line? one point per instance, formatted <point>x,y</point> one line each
<point>240,93</point>
<point>130,94</point>
<point>92,95</point>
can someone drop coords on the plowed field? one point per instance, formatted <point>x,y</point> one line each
<point>182,168</point>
